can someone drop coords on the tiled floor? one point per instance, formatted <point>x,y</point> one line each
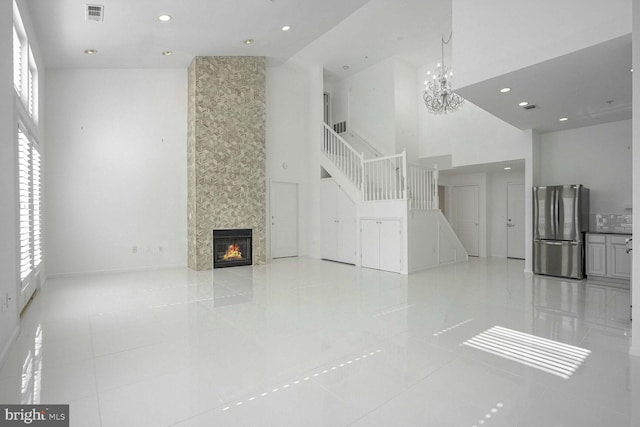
<point>303,342</point>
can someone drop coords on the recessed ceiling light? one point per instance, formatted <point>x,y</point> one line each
<point>564,119</point>
<point>90,51</point>
<point>523,103</point>
<point>164,18</point>
<point>345,67</point>
<point>505,89</point>
<point>507,168</point>
<point>167,53</point>
<point>286,28</point>
<point>248,41</point>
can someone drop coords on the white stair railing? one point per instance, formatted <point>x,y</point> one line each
<point>423,187</point>
<point>383,178</point>
<point>348,160</point>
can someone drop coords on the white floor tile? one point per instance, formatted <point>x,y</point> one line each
<point>315,343</point>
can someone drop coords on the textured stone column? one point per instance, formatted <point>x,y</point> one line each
<point>226,153</point>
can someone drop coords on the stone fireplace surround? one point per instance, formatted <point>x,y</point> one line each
<point>226,153</point>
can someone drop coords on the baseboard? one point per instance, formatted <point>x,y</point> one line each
<point>7,347</point>
<point>114,271</point>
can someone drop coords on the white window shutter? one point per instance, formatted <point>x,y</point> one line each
<point>26,221</point>
<point>17,61</point>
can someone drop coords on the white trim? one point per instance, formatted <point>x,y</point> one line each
<point>115,271</point>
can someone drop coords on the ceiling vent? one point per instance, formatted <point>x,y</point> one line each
<point>530,107</point>
<point>95,12</point>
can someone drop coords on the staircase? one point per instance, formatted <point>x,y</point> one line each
<point>389,188</point>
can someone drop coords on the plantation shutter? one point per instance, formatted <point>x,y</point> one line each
<point>17,61</point>
<point>37,207</point>
<point>24,187</point>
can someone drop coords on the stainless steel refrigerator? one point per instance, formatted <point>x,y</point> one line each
<point>560,219</point>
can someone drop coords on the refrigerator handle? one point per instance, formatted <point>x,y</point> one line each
<point>554,212</point>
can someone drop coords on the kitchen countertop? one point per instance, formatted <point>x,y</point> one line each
<point>616,233</point>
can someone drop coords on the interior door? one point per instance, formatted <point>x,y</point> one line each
<point>346,228</point>
<point>284,219</point>
<point>515,221</point>
<point>328,219</point>
<point>390,245</point>
<point>369,243</point>
<point>465,213</point>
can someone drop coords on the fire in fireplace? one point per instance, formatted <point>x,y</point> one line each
<point>231,247</point>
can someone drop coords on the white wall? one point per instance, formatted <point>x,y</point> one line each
<point>470,135</point>
<point>366,101</point>
<point>497,210</point>
<point>406,110</point>
<point>287,128</point>
<point>116,171</point>
<point>598,157</point>
<point>635,275</point>
<point>494,37</point>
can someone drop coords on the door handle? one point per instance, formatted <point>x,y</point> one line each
<point>510,225</point>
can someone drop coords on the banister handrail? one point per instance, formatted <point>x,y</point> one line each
<point>383,178</point>
<point>342,140</point>
<point>380,159</point>
<point>373,149</point>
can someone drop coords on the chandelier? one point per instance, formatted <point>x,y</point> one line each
<point>438,96</point>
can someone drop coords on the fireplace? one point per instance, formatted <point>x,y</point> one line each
<point>231,248</point>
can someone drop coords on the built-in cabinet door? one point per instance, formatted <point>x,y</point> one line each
<point>329,219</point>
<point>596,258</point>
<point>390,246</point>
<point>346,243</point>
<point>338,220</point>
<point>620,260</point>
<point>370,243</point>
<point>381,244</point>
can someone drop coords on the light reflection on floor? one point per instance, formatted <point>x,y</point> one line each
<point>290,343</point>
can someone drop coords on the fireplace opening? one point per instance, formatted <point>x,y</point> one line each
<point>232,248</point>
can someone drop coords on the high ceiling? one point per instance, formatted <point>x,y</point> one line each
<point>131,36</point>
<point>588,87</point>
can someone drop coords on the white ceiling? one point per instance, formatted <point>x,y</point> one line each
<point>327,32</point>
<point>131,35</point>
<point>589,87</point>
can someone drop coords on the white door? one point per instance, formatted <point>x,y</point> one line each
<point>328,219</point>
<point>515,221</point>
<point>284,219</point>
<point>346,228</point>
<point>370,243</point>
<point>390,246</point>
<point>465,214</point>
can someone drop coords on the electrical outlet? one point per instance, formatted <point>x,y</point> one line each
<point>160,249</point>
<point>134,249</point>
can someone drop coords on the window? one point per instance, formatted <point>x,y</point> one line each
<point>17,61</point>
<point>32,86</point>
<point>25,70</point>
<point>29,170</point>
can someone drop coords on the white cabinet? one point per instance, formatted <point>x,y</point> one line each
<point>338,218</point>
<point>596,255</point>
<point>619,259</point>
<point>381,244</point>
<point>607,257</point>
